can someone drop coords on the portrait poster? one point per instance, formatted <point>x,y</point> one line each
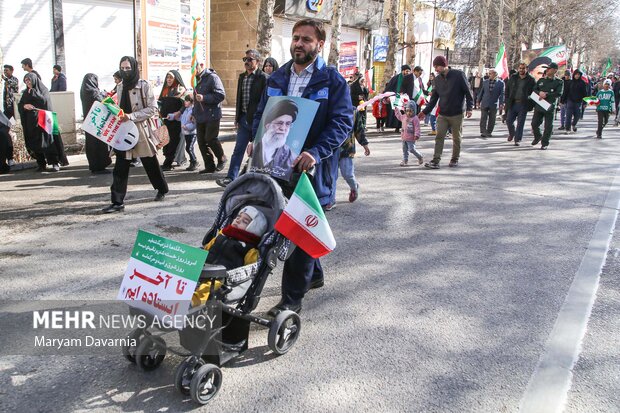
<point>282,133</point>
<point>538,60</point>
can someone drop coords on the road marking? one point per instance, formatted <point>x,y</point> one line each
<point>548,387</point>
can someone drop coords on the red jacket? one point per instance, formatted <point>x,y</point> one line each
<point>375,110</point>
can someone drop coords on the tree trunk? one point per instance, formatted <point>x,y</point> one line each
<point>484,32</point>
<point>265,27</point>
<point>334,49</point>
<point>410,40</point>
<point>393,35</point>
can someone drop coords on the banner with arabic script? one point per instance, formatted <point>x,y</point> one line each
<point>161,275</point>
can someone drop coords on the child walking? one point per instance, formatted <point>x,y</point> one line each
<point>380,112</point>
<point>347,153</point>
<point>409,133</point>
<point>605,107</point>
<point>188,131</point>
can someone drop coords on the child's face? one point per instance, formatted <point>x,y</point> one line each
<point>409,112</point>
<point>241,221</point>
<point>605,86</point>
<point>187,103</point>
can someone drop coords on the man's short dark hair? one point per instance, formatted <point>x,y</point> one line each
<point>317,25</point>
<point>28,62</point>
<point>418,69</point>
<point>8,67</point>
<point>57,67</point>
<point>254,53</point>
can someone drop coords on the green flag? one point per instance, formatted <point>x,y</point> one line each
<point>607,66</point>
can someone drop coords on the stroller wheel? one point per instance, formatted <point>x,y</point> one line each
<point>185,372</point>
<point>130,351</point>
<point>206,383</point>
<point>150,353</point>
<point>284,332</point>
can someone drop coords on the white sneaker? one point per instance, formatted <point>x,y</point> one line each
<point>11,162</point>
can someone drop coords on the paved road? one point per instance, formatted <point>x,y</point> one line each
<point>440,297</point>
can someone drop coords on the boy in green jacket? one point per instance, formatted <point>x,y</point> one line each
<point>605,106</point>
<point>549,88</point>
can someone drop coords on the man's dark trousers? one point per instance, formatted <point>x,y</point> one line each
<point>540,117</point>
<point>294,286</point>
<point>517,111</point>
<point>487,119</point>
<point>573,113</point>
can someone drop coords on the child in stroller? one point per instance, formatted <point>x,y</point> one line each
<point>232,293</point>
<point>234,246</point>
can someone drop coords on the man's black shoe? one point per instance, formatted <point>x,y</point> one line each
<point>160,196</point>
<point>221,164</point>
<point>207,171</point>
<point>113,208</point>
<point>536,141</point>
<point>318,283</point>
<point>281,306</point>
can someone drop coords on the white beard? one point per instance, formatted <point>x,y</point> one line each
<point>271,141</point>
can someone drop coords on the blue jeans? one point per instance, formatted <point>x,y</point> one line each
<point>563,115</point>
<point>190,141</point>
<point>243,138</point>
<point>573,111</point>
<point>347,170</point>
<point>517,111</point>
<point>409,146</point>
<point>433,119</point>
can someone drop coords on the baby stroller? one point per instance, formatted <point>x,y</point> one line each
<point>237,294</point>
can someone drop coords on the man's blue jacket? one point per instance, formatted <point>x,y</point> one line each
<point>332,124</point>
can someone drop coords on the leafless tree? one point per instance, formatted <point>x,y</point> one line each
<point>394,36</point>
<point>334,48</point>
<point>265,27</point>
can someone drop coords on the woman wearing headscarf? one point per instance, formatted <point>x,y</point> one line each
<point>270,65</point>
<point>138,102</point>
<point>170,108</point>
<point>39,143</point>
<point>97,152</point>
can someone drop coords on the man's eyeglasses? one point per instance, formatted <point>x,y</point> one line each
<point>282,124</point>
<point>248,59</point>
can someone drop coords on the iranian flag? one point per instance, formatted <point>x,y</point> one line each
<point>607,66</point>
<point>48,122</point>
<point>591,100</point>
<point>501,63</point>
<point>304,223</point>
<point>419,98</point>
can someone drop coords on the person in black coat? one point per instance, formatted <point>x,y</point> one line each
<point>97,151</point>
<point>39,143</point>
<point>577,89</point>
<point>400,83</point>
<point>250,88</point>
<point>171,105</point>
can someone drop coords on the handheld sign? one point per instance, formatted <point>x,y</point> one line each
<point>104,125</point>
<point>161,275</point>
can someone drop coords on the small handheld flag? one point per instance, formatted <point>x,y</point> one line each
<point>48,121</point>
<point>303,221</point>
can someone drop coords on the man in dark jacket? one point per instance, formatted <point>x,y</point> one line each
<point>208,96</point>
<point>576,90</point>
<point>548,88</point>
<point>519,87</point>
<point>250,87</point>
<point>452,88</point>
<point>59,81</point>
<point>307,76</point>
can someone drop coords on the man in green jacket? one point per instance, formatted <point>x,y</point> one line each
<point>548,88</point>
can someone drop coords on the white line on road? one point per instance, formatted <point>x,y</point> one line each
<point>548,387</point>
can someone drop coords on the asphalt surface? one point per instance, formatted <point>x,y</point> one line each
<point>440,296</point>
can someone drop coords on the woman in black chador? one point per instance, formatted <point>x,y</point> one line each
<point>40,144</point>
<point>171,105</point>
<point>97,152</point>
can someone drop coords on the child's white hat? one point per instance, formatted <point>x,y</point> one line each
<point>607,82</point>
<point>258,226</point>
